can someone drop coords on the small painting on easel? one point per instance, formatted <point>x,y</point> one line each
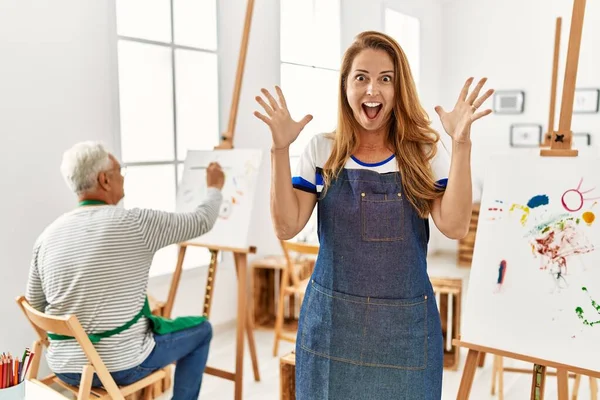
<point>535,280</point>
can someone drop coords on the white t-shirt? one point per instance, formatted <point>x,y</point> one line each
<point>308,178</point>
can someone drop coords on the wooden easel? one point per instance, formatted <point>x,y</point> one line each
<point>539,371</point>
<point>547,140</point>
<point>244,322</point>
<point>561,140</point>
<point>560,147</point>
<point>499,369</point>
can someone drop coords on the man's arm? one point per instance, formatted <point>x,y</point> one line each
<point>34,293</point>
<point>160,229</point>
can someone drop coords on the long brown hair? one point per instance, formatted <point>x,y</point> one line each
<point>409,135</point>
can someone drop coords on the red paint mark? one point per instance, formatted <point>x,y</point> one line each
<point>578,203</point>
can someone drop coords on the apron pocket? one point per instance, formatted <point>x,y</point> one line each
<point>382,217</point>
<point>333,324</point>
<point>397,333</point>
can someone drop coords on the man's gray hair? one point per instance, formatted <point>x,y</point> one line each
<point>82,163</point>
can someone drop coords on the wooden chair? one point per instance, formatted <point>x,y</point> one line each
<point>291,283</point>
<point>70,326</point>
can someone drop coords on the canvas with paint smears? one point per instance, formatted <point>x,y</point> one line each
<point>534,287</point>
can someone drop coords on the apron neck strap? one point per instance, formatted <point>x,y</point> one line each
<point>91,202</point>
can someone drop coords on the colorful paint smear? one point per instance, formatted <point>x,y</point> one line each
<point>525,210</point>
<point>552,238</point>
<point>501,272</point>
<point>538,201</point>
<point>588,217</point>
<point>577,199</point>
<point>501,275</point>
<point>496,210</point>
<point>580,312</point>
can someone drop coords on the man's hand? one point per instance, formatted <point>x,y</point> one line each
<point>214,176</point>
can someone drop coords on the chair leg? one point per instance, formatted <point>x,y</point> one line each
<point>576,386</point>
<point>35,364</point>
<point>85,385</point>
<point>594,388</point>
<point>279,318</point>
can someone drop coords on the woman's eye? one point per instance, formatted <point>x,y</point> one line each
<point>360,78</point>
<point>387,78</point>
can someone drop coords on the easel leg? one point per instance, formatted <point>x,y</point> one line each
<point>468,374</point>
<point>168,308</point>
<point>500,378</point>
<point>594,388</point>
<point>563,384</point>
<point>494,374</point>
<point>576,386</point>
<point>538,382</point>
<point>240,263</point>
<point>252,343</point>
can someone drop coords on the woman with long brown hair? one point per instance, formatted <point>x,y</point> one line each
<point>369,324</point>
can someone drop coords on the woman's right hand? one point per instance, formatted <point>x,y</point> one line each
<point>283,128</point>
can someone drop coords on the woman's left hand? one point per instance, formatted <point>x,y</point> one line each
<point>457,122</point>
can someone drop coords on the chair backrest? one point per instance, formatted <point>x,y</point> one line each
<point>300,248</point>
<point>69,326</point>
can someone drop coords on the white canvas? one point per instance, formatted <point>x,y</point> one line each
<point>551,252</point>
<point>241,172</point>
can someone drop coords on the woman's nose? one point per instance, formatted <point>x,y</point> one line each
<point>371,89</point>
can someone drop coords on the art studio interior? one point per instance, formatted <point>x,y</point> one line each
<point>300,199</point>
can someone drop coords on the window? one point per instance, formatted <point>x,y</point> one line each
<point>310,60</point>
<point>406,30</point>
<point>168,97</point>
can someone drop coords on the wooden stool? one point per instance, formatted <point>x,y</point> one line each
<point>467,244</point>
<point>265,281</point>
<point>264,273</point>
<point>446,289</point>
<point>287,376</point>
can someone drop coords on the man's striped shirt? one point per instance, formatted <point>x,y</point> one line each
<point>93,262</point>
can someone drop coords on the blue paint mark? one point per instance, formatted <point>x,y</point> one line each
<point>539,200</point>
<point>501,272</point>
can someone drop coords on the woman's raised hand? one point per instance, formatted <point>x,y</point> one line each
<point>283,128</point>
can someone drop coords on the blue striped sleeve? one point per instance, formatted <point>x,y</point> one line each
<point>302,184</point>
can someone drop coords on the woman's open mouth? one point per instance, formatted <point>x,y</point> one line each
<point>372,109</point>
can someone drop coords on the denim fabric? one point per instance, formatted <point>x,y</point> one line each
<point>189,348</point>
<point>369,324</point>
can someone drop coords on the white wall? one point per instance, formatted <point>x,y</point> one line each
<point>57,87</point>
<point>511,42</point>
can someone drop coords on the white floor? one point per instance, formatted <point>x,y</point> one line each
<point>517,386</point>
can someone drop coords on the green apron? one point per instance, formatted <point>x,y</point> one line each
<point>160,325</point>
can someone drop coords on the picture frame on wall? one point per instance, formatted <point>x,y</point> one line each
<point>509,102</point>
<point>586,101</point>
<point>525,135</point>
<point>581,140</point>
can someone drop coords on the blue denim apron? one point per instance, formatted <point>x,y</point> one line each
<point>369,324</point>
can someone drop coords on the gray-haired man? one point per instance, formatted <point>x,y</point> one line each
<point>93,262</point>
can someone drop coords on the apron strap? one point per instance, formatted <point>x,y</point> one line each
<point>96,337</point>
